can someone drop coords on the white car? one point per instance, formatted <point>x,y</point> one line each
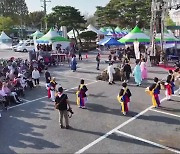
<point>26,46</point>
<point>14,47</point>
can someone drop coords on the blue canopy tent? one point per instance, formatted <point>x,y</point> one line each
<point>109,42</point>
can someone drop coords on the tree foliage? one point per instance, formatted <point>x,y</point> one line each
<point>169,21</point>
<point>15,9</point>
<point>88,36</point>
<point>35,19</point>
<point>6,24</point>
<point>125,13</point>
<point>67,16</point>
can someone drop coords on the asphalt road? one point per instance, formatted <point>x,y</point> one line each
<point>33,127</point>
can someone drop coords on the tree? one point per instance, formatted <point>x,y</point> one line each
<point>15,9</point>
<point>88,36</point>
<point>169,21</point>
<point>35,19</point>
<point>6,24</point>
<point>67,16</point>
<point>125,13</point>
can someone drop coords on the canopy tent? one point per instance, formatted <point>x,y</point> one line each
<point>4,38</point>
<point>109,41</point>
<point>70,34</point>
<point>37,34</point>
<point>53,37</point>
<point>93,29</point>
<point>5,41</point>
<point>118,30</point>
<point>168,38</point>
<point>135,34</point>
<point>103,30</point>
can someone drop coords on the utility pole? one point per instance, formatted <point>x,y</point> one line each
<point>44,6</point>
<point>153,25</point>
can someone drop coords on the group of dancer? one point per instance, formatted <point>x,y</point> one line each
<point>172,79</point>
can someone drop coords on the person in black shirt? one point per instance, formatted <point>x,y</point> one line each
<point>127,70</point>
<point>170,78</point>
<point>61,101</point>
<point>47,77</point>
<point>98,60</point>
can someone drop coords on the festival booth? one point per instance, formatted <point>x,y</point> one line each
<point>57,42</point>
<point>136,37</point>
<point>170,45</point>
<point>110,42</point>
<point>5,41</point>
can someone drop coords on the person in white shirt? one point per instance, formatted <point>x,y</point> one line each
<point>110,71</point>
<point>36,76</point>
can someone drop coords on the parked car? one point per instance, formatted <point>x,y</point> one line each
<point>25,46</point>
<point>14,47</point>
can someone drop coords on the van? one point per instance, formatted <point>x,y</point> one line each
<point>26,46</point>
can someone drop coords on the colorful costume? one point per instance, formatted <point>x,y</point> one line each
<point>171,79</point>
<point>137,74</point>
<point>81,95</point>
<point>168,91</point>
<point>154,91</point>
<point>143,70</point>
<point>52,89</point>
<point>124,99</point>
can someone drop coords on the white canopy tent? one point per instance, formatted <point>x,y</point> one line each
<point>93,29</point>
<point>4,38</point>
<point>5,41</point>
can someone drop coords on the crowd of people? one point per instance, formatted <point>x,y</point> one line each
<point>17,75</point>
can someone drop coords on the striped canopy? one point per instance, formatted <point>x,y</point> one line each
<point>135,34</point>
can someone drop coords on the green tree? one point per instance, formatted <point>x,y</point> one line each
<point>169,21</point>
<point>6,24</point>
<point>88,36</point>
<point>67,16</point>
<point>15,9</point>
<point>125,13</point>
<point>35,19</point>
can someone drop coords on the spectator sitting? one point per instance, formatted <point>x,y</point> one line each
<point>8,92</point>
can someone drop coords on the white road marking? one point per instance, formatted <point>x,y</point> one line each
<point>76,77</point>
<point>27,102</point>
<point>147,141</point>
<point>112,131</point>
<point>165,113</point>
<point>24,99</point>
<point>46,96</point>
<point>176,95</point>
<point>115,129</point>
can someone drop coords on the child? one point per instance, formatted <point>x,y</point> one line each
<point>154,91</point>
<point>30,82</point>
<point>143,69</point>
<point>170,77</point>
<point>52,88</point>
<point>168,88</point>
<point>127,70</point>
<point>124,98</point>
